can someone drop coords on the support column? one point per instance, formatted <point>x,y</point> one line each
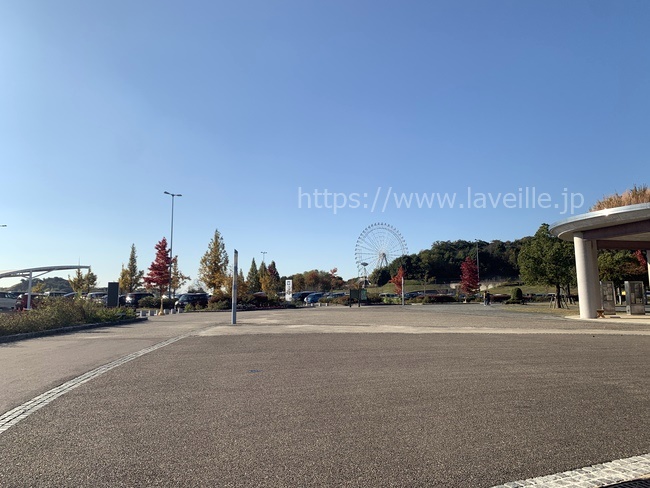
<point>587,271</point>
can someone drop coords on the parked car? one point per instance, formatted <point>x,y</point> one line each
<point>21,301</point>
<point>313,297</point>
<point>7,300</point>
<point>195,299</point>
<point>55,294</point>
<point>99,297</point>
<point>331,296</point>
<point>301,295</point>
<point>133,299</point>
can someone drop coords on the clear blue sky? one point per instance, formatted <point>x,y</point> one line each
<point>239,105</point>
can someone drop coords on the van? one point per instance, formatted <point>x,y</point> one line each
<point>7,300</point>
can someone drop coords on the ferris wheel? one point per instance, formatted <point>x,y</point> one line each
<point>377,246</point>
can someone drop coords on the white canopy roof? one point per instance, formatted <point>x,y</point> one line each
<point>27,272</point>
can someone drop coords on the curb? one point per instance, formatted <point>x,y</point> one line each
<point>65,330</point>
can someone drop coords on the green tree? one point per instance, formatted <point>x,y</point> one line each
<point>83,284</point>
<point>213,269</point>
<point>270,280</point>
<point>131,277</point>
<point>298,282</point>
<point>253,278</point>
<point>547,260</point>
<point>263,273</point>
<point>620,265</point>
<point>38,286</point>
<point>242,286</point>
<point>379,276</point>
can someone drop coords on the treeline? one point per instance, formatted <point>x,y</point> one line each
<point>316,280</point>
<point>441,263</point>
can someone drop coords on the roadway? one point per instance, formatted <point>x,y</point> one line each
<point>380,396</point>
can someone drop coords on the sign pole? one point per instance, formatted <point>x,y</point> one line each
<point>235,273</point>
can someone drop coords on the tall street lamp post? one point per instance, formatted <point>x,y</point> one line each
<point>171,242</point>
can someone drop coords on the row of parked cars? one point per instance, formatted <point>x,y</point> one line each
<point>18,301</point>
<point>310,297</point>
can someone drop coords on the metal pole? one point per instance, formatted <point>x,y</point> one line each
<point>478,273</point>
<point>171,251</point>
<point>235,274</point>
<point>29,292</point>
<point>402,291</point>
<point>171,242</point>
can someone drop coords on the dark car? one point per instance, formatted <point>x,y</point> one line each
<point>133,299</point>
<point>412,294</point>
<point>301,295</point>
<point>313,297</point>
<point>195,299</point>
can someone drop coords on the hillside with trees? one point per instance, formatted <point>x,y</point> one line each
<point>442,262</point>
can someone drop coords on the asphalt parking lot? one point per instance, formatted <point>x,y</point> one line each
<point>380,396</point>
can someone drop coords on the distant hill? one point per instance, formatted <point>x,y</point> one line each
<point>49,284</point>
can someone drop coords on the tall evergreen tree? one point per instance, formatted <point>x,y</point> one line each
<point>83,284</point>
<point>253,278</point>
<point>213,269</point>
<point>270,280</point>
<point>131,277</point>
<point>158,276</point>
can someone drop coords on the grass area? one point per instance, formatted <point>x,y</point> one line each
<point>544,308</point>
<point>55,313</point>
<point>414,285</point>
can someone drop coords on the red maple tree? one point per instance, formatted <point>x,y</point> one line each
<point>158,276</point>
<point>469,276</point>
<point>397,280</point>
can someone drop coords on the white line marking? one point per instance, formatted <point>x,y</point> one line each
<point>12,417</point>
<point>595,476</point>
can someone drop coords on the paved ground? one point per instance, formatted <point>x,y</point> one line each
<point>445,396</point>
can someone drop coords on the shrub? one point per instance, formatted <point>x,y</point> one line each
<point>438,299</point>
<point>516,297</point>
<point>341,300</point>
<point>222,304</point>
<point>153,302</point>
<point>433,299</point>
<point>56,313</point>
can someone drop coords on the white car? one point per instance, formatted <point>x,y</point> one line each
<point>7,300</point>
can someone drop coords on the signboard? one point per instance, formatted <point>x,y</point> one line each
<point>355,294</point>
<point>608,296</point>
<point>634,298</point>
<point>288,290</point>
